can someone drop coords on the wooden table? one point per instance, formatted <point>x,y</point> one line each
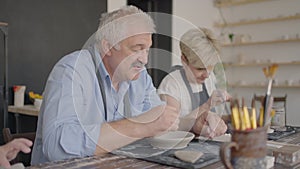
<point>106,161</point>
<point>111,161</point>
<point>29,110</point>
<point>117,161</point>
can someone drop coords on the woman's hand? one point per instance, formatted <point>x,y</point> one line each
<point>209,124</point>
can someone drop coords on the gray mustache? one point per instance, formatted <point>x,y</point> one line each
<point>137,64</point>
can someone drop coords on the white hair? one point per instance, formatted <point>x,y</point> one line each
<point>199,47</point>
<point>123,23</point>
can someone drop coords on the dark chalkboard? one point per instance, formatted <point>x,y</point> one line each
<point>40,33</point>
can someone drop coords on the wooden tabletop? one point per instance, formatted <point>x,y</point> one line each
<point>118,161</point>
<point>111,161</point>
<point>106,161</point>
<point>30,110</point>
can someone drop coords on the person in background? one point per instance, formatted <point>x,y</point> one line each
<point>191,87</point>
<point>10,150</point>
<point>101,98</point>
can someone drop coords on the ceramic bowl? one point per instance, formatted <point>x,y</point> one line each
<point>172,140</point>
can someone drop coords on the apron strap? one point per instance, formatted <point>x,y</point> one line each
<point>91,50</point>
<point>127,110</point>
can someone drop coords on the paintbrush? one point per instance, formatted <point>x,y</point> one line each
<point>253,115</point>
<point>241,115</point>
<point>246,115</point>
<point>261,112</point>
<point>235,115</point>
<point>270,75</point>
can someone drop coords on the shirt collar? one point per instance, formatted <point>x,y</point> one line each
<point>103,72</point>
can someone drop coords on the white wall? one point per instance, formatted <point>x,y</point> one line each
<point>115,4</point>
<point>203,13</point>
<point>281,52</point>
<point>196,12</point>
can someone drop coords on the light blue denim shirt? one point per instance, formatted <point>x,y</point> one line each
<point>72,110</point>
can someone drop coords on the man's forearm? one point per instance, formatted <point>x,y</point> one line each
<point>117,134</point>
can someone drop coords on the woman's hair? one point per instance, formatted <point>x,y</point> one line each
<point>199,47</point>
<point>122,23</point>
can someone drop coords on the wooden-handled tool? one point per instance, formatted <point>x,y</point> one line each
<point>269,73</point>
<point>253,115</point>
<point>235,117</point>
<point>246,115</point>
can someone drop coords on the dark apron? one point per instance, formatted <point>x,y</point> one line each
<point>127,108</point>
<point>198,98</point>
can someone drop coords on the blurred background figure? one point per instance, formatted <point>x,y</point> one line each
<point>10,150</point>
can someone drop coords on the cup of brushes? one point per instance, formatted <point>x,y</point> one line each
<point>249,135</point>
<point>248,146</point>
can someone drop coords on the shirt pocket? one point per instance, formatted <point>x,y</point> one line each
<point>72,139</point>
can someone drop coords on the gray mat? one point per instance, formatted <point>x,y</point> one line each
<point>143,150</point>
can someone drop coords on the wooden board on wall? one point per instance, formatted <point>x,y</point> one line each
<point>161,57</point>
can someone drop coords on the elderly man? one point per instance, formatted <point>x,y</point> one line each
<point>101,98</point>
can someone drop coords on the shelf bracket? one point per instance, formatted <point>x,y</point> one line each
<point>4,30</point>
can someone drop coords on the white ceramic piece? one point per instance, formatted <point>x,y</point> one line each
<point>223,138</point>
<point>188,156</point>
<point>172,140</point>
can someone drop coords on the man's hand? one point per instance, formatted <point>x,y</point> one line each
<point>10,150</point>
<point>168,120</point>
<point>218,97</point>
<point>209,124</point>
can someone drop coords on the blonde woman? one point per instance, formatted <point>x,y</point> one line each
<point>191,87</point>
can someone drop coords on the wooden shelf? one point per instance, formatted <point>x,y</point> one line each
<point>261,86</point>
<point>259,64</point>
<point>257,21</point>
<point>236,3</point>
<point>29,110</point>
<point>261,42</point>
<point>3,24</point>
